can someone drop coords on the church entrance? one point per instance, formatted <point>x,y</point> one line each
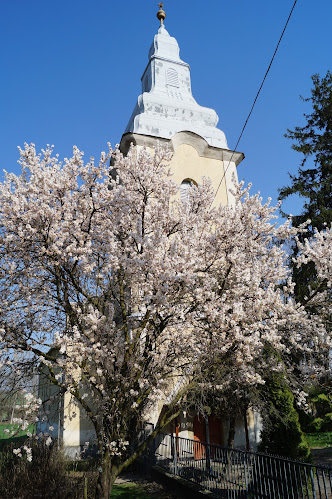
<point>207,430</point>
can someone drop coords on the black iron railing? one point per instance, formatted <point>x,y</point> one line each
<point>231,474</point>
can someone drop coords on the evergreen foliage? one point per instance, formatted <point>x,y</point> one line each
<point>313,183</point>
<point>313,180</point>
<point>320,417</point>
<point>281,434</point>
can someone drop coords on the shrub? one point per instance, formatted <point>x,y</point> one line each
<point>318,419</point>
<point>322,403</point>
<point>45,476</point>
<point>281,433</point>
<point>316,425</point>
<point>327,422</point>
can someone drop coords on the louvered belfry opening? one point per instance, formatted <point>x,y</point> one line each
<point>172,77</point>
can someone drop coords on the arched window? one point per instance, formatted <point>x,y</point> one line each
<point>185,187</point>
<point>172,77</point>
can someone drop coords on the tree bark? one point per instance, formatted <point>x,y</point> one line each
<point>110,469</point>
<point>231,432</point>
<point>106,478</point>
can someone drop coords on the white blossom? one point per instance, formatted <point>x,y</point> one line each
<point>48,441</point>
<point>125,293</point>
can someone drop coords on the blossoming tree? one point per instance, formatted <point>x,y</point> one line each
<point>124,292</point>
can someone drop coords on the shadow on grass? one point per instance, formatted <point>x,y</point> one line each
<point>128,491</point>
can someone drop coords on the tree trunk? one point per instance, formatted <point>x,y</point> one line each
<point>231,433</point>
<point>106,478</point>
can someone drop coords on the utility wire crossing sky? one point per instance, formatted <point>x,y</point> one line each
<point>71,73</point>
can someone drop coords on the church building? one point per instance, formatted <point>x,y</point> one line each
<point>166,112</point>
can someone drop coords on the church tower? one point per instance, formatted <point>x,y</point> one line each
<point>167,112</point>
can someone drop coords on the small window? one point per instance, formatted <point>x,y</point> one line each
<point>172,77</point>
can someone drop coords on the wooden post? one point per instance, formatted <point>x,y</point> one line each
<point>246,429</point>
<point>85,487</point>
<point>207,451</point>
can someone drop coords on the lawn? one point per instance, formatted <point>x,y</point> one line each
<point>129,491</point>
<point>5,436</point>
<point>319,439</point>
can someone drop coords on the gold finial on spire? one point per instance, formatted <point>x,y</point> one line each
<point>161,14</point>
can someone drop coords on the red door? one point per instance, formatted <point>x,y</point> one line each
<point>216,435</point>
<point>199,436</point>
<point>216,430</point>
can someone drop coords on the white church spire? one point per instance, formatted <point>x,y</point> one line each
<point>166,105</point>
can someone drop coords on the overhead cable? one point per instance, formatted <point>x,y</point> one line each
<point>255,100</point>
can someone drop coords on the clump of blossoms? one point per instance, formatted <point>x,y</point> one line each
<point>125,293</point>
<point>318,250</point>
<point>25,449</point>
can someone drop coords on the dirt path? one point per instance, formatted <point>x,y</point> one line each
<point>322,456</point>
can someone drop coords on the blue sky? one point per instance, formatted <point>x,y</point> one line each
<point>71,73</point>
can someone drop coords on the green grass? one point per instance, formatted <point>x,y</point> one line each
<point>5,436</point>
<point>319,439</point>
<point>128,491</point>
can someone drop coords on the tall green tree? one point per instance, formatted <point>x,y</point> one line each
<point>313,179</point>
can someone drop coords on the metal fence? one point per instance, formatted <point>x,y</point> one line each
<point>230,473</point>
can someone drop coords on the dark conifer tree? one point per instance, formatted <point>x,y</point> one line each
<point>281,433</point>
<point>314,177</point>
<point>313,183</point>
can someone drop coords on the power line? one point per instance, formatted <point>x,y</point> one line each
<point>255,100</point>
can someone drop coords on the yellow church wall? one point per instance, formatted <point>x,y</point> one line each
<point>77,428</point>
<point>188,164</point>
<point>71,422</point>
<point>194,159</point>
